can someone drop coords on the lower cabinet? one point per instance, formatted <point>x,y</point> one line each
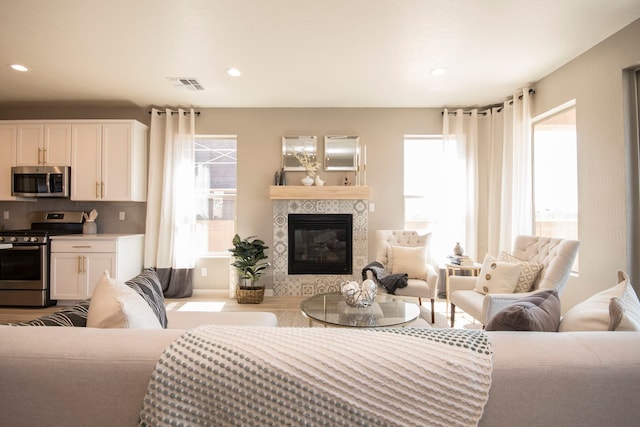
<point>79,261</point>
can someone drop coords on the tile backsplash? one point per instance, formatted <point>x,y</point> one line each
<point>108,214</point>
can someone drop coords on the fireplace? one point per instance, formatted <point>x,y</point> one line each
<point>320,244</point>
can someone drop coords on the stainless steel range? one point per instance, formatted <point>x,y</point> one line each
<point>24,264</point>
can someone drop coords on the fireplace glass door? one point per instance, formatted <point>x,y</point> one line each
<point>320,244</point>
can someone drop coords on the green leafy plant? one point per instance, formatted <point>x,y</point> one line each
<point>250,258</point>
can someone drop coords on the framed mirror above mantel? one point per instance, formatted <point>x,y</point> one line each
<point>341,153</point>
<point>300,144</point>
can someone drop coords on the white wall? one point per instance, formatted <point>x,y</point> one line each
<point>259,155</point>
<point>594,80</point>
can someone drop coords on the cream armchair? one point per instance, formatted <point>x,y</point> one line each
<point>557,257</point>
<point>425,286</point>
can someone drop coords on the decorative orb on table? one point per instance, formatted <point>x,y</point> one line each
<point>360,295</point>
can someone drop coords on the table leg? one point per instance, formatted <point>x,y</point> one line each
<point>446,281</point>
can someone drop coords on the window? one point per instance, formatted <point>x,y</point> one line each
<point>215,174</point>
<point>434,173</point>
<point>555,176</point>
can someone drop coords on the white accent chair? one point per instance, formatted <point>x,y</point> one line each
<point>557,257</point>
<point>424,287</point>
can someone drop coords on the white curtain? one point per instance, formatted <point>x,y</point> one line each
<point>516,201</point>
<point>460,134</point>
<point>170,223</point>
<point>502,138</point>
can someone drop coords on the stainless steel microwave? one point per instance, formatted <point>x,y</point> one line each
<point>40,181</point>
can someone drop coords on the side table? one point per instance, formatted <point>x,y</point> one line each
<point>454,269</point>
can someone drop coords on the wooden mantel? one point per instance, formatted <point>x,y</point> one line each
<point>325,192</point>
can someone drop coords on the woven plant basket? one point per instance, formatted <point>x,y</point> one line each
<point>250,295</point>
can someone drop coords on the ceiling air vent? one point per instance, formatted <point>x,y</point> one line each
<point>188,83</point>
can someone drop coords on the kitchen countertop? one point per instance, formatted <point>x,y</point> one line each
<point>99,236</point>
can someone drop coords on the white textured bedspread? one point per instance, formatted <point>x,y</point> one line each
<point>238,376</point>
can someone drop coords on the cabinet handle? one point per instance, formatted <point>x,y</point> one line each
<point>81,246</point>
<point>44,156</point>
<point>40,155</point>
<point>102,193</point>
<point>84,264</point>
<point>79,264</point>
<point>97,190</point>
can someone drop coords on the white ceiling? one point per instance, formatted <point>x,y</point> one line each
<point>293,53</point>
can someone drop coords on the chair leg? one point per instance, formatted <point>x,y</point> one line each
<point>433,311</point>
<point>453,314</point>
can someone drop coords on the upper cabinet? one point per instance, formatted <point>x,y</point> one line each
<point>108,158</point>
<point>109,161</point>
<point>43,144</point>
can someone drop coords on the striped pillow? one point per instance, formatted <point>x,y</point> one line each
<point>75,315</point>
<point>147,285</point>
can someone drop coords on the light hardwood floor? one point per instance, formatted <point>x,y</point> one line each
<point>286,309</point>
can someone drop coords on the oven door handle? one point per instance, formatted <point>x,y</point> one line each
<point>23,248</point>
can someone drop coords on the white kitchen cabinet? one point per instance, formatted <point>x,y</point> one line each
<point>43,144</point>
<point>109,161</point>
<point>8,133</point>
<point>78,262</point>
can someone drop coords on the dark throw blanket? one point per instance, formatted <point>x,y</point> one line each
<point>383,278</point>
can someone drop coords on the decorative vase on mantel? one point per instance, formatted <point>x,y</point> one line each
<point>307,180</point>
<point>319,182</point>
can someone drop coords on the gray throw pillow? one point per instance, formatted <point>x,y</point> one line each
<point>538,312</point>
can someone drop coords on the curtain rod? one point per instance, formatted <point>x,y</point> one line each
<point>488,107</point>
<point>197,113</point>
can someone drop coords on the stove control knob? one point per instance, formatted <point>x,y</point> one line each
<point>33,239</point>
<point>1,239</point>
<point>14,239</point>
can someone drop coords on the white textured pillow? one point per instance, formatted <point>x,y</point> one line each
<point>594,313</point>
<point>116,305</point>
<point>529,272</point>
<point>406,259</point>
<point>497,277</point>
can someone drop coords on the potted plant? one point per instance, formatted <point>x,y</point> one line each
<point>251,262</point>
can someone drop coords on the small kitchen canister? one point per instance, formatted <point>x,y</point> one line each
<point>89,227</point>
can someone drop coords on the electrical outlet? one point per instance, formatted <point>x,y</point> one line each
<point>6,215</point>
<point>203,272</point>
<point>121,216</point>
<point>372,207</point>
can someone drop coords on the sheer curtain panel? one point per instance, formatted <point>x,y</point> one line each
<point>517,193</point>
<point>496,145</point>
<point>460,131</point>
<point>170,222</point>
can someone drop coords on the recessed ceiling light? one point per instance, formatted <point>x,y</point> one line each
<point>234,72</point>
<point>19,67</point>
<point>438,71</point>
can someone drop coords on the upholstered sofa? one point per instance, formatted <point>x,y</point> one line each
<point>98,377</point>
<point>121,376</point>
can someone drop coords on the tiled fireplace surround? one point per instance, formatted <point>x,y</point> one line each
<point>285,284</point>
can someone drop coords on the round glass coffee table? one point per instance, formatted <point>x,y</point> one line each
<point>331,310</point>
